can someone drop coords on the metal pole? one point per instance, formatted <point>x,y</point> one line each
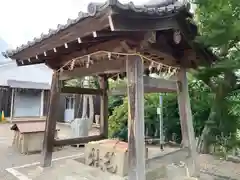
<point>161,121</point>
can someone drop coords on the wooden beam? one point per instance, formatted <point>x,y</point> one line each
<point>160,83</point>
<point>98,46</point>
<point>151,85</point>
<point>136,146</point>
<point>101,67</point>
<point>123,91</point>
<point>119,22</point>
<point>186,121</point>
<point>80,140</point>
<point>99,34</point>
<point>78,90</point>
<point>161,54</point>
<point>103,82</point>
<point>51,122</point>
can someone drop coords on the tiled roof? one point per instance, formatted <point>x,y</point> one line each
<point>156,7</point>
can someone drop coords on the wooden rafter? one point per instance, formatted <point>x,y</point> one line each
<point>79,46</point>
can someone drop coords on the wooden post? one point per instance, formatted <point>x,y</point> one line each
<point>182,113</point>
<point>103,82</point>
<point>187,122</point>
<point>136,144</point>
<point>51,121</point>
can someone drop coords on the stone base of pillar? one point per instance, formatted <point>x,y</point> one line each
<point>108,155</point>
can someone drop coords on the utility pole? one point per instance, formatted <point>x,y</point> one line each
<point>160,113</point>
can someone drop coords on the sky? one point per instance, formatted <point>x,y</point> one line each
<point>22,20</point>
<point>3,46</point>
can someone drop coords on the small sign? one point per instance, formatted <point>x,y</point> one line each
<point>160,100</point>
<point>158,110</point>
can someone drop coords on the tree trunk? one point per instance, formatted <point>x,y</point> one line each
<point>221,91</point>
<point>203,143</point>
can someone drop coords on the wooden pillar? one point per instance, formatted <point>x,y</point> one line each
<point>51,120</point>
<point>182,113</point>
<point>136,144</point>
<point>103,82</point>
<point>187,122</point>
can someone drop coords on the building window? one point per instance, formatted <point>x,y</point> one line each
<point>70,102</point>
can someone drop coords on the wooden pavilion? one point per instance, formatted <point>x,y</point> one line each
<point>115,39</point>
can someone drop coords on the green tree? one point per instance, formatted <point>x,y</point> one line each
<point>115,100</point>
<point>200,100</point>
<point>219,23</point>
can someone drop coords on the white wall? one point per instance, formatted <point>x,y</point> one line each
<point>33,73</point>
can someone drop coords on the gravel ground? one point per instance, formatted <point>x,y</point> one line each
<point>218,169</point>
<point>10,158</point>
<point>212,168</point>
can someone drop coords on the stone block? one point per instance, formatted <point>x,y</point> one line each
<point>108,155</point>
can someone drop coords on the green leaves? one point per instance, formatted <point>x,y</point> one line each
<point>219,21</point>
<point>201,104</point>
